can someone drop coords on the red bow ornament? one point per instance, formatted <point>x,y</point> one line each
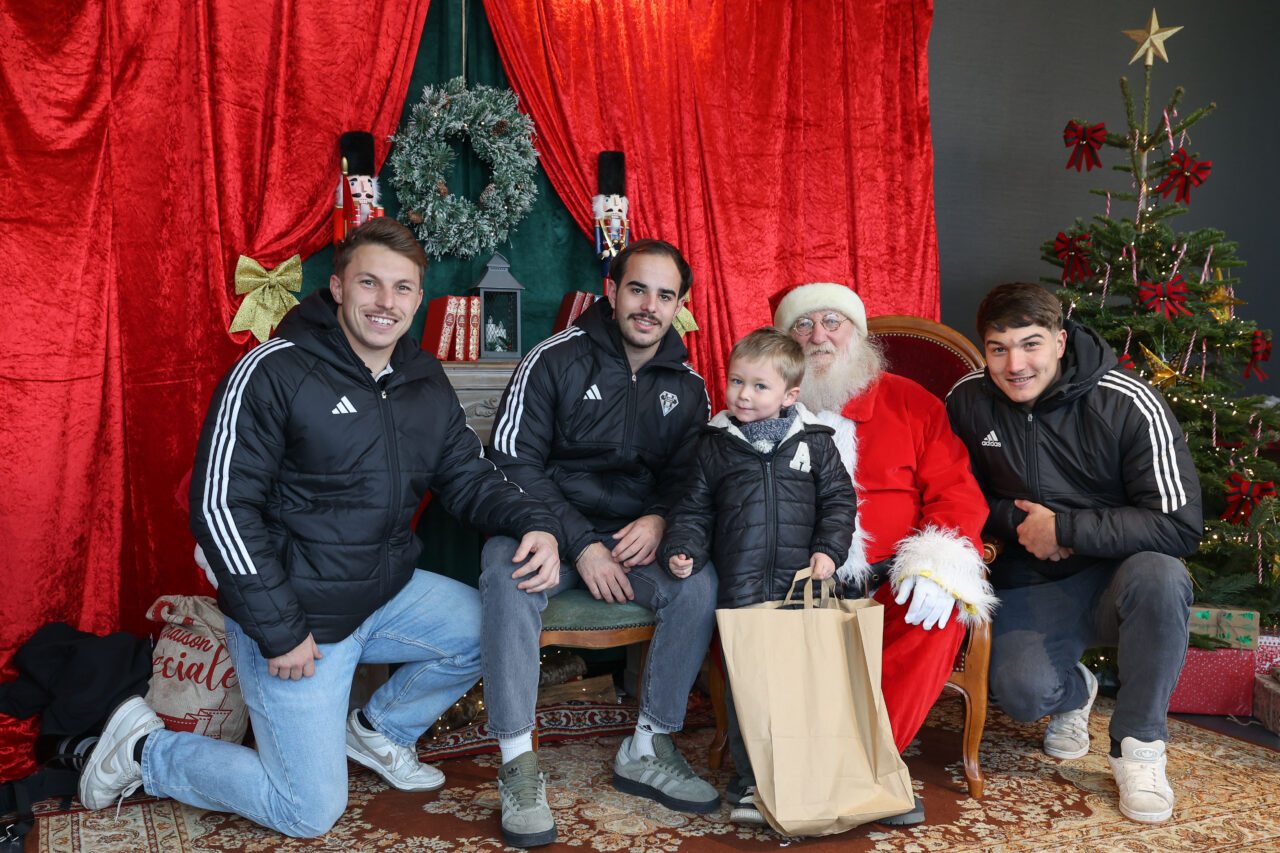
<point>1168,298</point>
<point>1126,361</point>
<point>1261,352</point>
<point>1087,139</point>
<point>1243,495</point>
<point>1070,250</point>
<point>1184,173</point>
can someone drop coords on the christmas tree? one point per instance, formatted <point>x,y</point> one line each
<point>1167,303</point>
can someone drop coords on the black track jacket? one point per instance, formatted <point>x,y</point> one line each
<point>1099,447</point>
<point>600,446</point>
<point>308,474</point>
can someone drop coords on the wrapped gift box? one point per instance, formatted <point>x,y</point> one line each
<point>1215,682</point>
<point>1268,654</point>
<point>1237,628</point>
<point>1266,701</point>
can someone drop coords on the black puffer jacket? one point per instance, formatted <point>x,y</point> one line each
<point>1099,447</point>
<point>309,471</point>
<point>759,519</point>
<point>601,447</point>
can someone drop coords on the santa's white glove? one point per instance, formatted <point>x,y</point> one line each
<point>930,604</point>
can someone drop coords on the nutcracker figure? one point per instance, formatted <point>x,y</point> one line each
<point>613,230</point>
<point>357,196</point>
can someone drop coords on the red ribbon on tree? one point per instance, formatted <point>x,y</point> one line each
<point>1243,495</point>
<point>1261,352</point>
<point>1070,250</point>
<point>1087,139</point>
<point>1168,298</point>
<point>1184,174</point>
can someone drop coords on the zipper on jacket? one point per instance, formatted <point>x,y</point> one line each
<point>1033,472</point>
<point>631,414</point>
<point>393,470</point>
<point>771,524</point>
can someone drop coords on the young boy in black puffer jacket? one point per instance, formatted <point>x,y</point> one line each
<point>769,495</point>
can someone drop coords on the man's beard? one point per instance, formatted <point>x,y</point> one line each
<point>827,388</point>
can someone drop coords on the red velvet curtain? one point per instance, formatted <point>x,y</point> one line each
<point>145,145</point>
<point>775,142</point>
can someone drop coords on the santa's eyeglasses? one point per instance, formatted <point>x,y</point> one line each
<point>803,327</point>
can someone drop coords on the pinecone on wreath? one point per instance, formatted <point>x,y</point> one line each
<point>500,127</point>
<point>442,189</point>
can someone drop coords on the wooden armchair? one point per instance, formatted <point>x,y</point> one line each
<point>936,356</point>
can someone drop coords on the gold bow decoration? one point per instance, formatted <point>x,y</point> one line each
<point>266,294</point>
<point>683,322</point>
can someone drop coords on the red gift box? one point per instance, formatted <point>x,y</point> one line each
<point>1218,681</point>
<point>1266,701</point>
<point>1268,654</point>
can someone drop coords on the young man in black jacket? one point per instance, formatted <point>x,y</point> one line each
<point>317,450</point>
<point>599,422</point>
<point>1093,491</point>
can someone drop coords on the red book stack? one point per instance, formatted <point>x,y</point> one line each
<point>571,307</point>
<point>444,313</point>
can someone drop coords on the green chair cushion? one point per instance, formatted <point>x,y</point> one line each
<point>576,610</point>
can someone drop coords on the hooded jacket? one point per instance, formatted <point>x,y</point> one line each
<point>309,471</point>
<point>757,518</point>
<point>600,446</point>
<point>1099,447</point>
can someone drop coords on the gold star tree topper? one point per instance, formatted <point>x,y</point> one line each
<point>1151,40</point>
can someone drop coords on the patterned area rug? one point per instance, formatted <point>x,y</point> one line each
<point>1227,800</point>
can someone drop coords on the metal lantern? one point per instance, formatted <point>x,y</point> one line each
<point>499,294</point>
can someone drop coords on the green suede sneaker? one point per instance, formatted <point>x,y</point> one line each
<point>665,777</point>
<point>526,817</point>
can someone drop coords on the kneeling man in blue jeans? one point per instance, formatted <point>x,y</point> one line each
<point>1093,491</point>
<point>317,450</point>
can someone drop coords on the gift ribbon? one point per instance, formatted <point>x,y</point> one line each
<point>266,294</point>
<point>1261,352</point>
<point>1087,139</point>
<point>1168,298</point>
<point>1070,250</point>
<point>1184,174</point>
<point>1243,495</point>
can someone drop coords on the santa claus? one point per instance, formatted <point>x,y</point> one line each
<point>917,546</point>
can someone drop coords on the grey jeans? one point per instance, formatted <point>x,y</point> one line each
<point>1140,605</point>
<point>685,612</point>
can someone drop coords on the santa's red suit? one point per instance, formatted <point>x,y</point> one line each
<point>921,510</point>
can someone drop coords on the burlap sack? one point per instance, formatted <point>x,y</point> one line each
<point>193,685</point>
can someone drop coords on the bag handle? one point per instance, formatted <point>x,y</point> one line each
<point>827,599</point>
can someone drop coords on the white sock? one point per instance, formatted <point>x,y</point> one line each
<point>642,740</point>
<point>515,746</point>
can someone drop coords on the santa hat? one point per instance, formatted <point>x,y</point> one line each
<point>790,305</point>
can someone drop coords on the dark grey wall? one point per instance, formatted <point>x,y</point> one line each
<point>1005,76</point>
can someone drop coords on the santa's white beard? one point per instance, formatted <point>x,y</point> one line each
<point>826,388</point>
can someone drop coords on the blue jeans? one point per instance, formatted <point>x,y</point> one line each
<point>685,611</point>
<point>1140,605</point>
<point>295,782</point>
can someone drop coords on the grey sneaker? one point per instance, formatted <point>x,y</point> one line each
<point>1145,794</point>
<point>665,777</point>
<point>111,774</point>
<point>398,765</point>
<point>745,811</point>
<point>526,817</point>
<point>1067,735</point>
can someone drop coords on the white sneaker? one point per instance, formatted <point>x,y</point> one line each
<point>1145,794</point>
<point>1067,735</point>
<point>111,774</point>
<point>745,811</point>
<point>397,764</point>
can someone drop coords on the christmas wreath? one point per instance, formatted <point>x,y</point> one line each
<point>500,135</point>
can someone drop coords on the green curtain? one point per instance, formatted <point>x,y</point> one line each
<point>549,255</point>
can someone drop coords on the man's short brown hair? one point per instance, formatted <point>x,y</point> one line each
<point>775,347</point>
<point>618,266</point>
<point>383,232</point>
<point>1016,305</point>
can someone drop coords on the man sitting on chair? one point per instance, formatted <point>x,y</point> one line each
<point>917,544</point>
<point>599,422</point>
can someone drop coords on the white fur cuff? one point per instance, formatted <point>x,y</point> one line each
<point>950,561</point>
